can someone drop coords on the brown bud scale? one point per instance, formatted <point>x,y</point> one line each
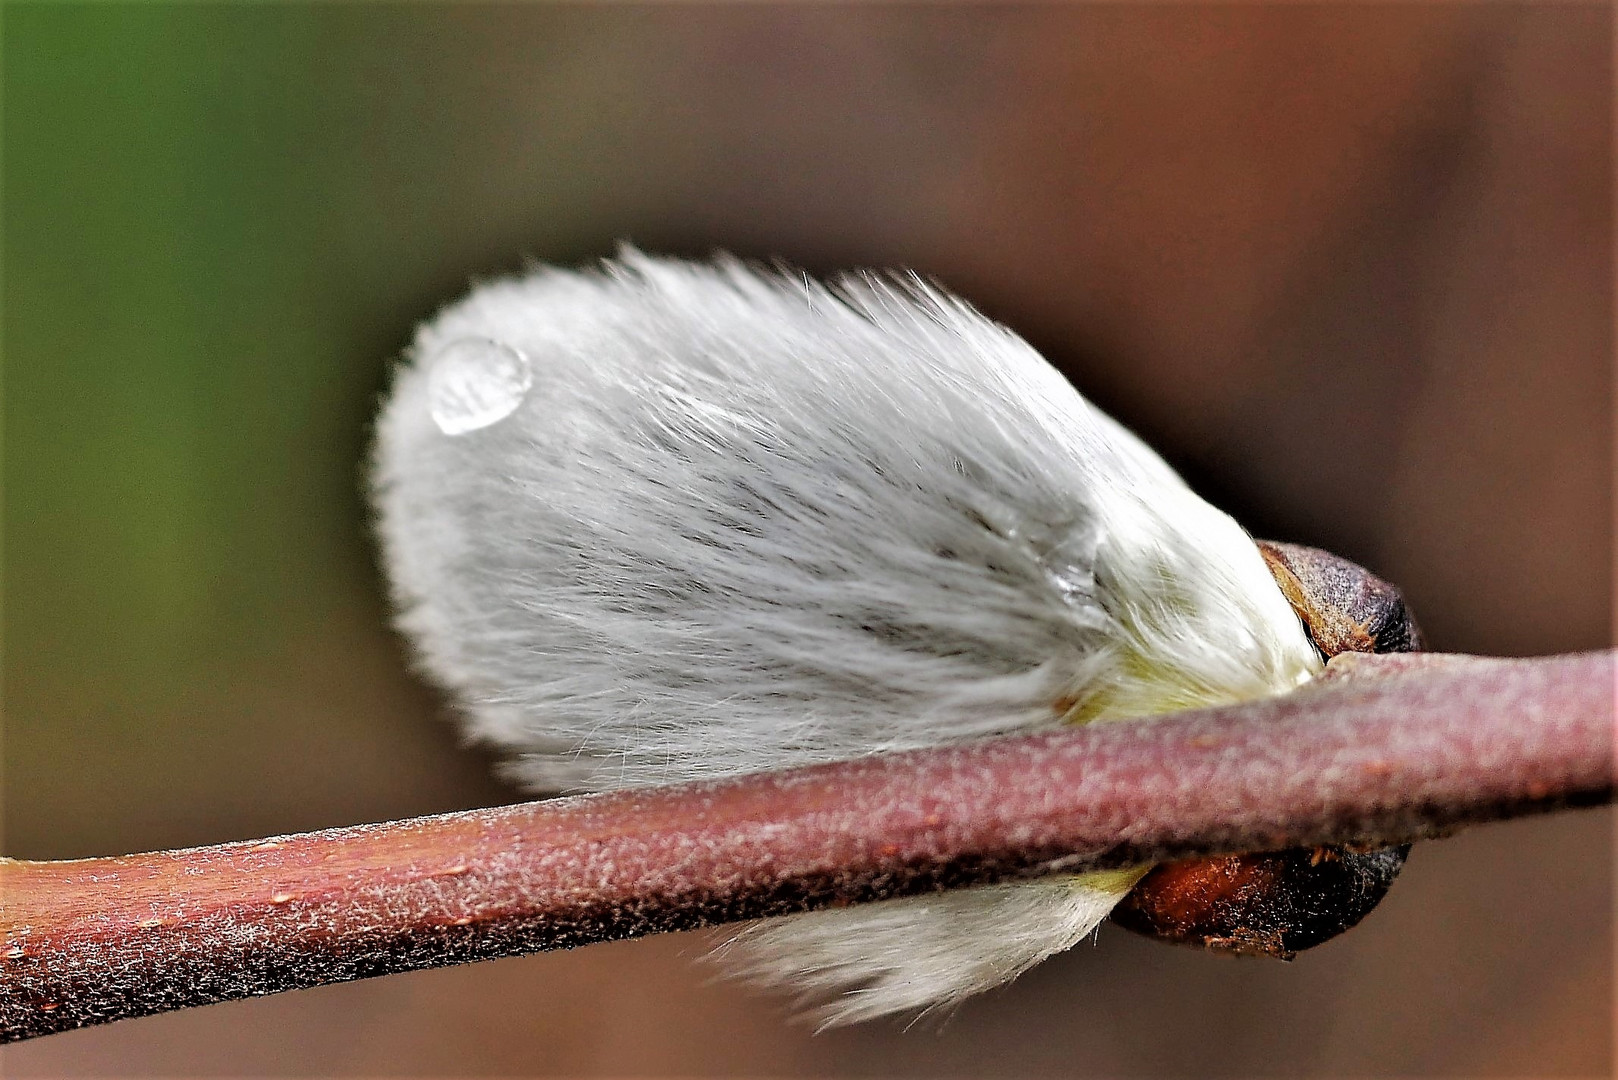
<point>1279,903</point>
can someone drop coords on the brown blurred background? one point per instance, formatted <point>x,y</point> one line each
<point>1349,267</point>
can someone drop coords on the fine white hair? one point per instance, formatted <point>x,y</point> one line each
<point>672,520</point>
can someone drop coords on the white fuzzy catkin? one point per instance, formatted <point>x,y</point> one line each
<point>674,520</point>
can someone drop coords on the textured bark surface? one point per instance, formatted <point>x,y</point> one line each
<point>1382,749</point>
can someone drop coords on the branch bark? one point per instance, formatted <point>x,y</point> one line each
<point>1382,749</point>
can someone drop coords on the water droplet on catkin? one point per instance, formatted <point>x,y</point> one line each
<point>473,382</point>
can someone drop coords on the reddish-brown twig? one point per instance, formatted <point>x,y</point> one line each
<point>1384,748</point>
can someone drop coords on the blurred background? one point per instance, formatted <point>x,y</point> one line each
<point>1348,266</point>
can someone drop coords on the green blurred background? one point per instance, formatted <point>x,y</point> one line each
<point>1349,266</point>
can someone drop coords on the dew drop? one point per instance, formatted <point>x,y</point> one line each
<point>474,382</point>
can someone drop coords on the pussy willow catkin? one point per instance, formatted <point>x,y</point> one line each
<point>670,520</point>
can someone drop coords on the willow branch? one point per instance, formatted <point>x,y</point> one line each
<point>1382,749</point>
